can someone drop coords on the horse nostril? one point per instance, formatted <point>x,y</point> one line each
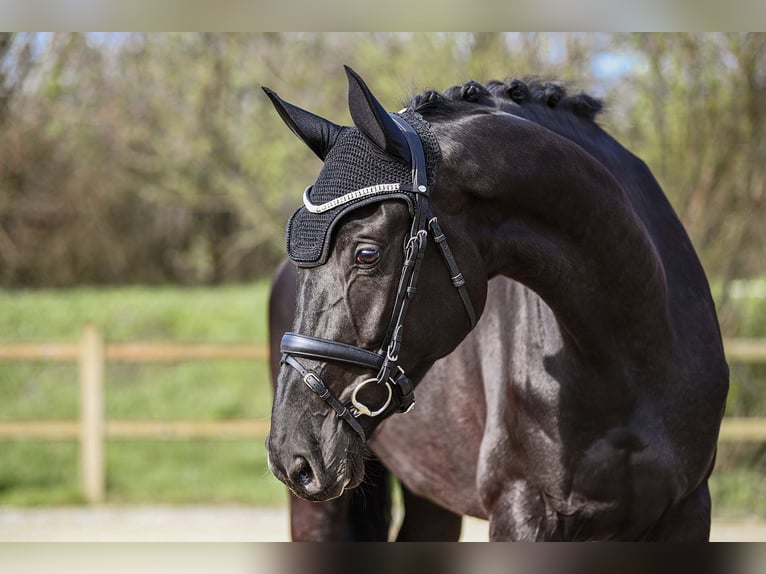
<point>303,474</point>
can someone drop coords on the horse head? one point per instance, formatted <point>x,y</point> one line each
<point>359,243</point>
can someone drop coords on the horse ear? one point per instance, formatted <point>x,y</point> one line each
<point>317,133</point>
<point>373,120</point>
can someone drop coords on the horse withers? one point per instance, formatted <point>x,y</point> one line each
<point>593,408</point>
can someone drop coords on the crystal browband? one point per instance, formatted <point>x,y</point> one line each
<point>351,196</point>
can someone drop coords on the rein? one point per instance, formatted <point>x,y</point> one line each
<point>386,359</point>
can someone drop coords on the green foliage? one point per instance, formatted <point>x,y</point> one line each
<point>153,158</point>
<point>693,110</point>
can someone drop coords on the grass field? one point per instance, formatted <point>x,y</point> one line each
<point>34,473</point>
<point>173,471</point>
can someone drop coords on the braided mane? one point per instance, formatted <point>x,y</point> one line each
<point>513,92</point>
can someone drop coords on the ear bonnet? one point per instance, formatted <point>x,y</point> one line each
<point>355,173</point>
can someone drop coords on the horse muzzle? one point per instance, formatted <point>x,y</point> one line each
<point>315,476</point>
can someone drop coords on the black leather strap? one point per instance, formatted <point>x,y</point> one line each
<point>326,350</point>
<point>414,252</point>
<point>457,277</point>
<point>417,156</point>
<point>406,392</point>
<point>316,384</point>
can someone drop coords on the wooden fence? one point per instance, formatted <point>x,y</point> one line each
<point>92,429</point>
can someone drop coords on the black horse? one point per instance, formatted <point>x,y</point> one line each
<point>593,407</point>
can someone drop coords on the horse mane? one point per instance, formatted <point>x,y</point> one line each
<point>508,96</point>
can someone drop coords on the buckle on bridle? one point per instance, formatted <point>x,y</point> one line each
<point>421,237</point>
<point>389,353</point>
<point>315,384</point>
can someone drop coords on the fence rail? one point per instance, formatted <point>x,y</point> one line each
<point>134,352</point>
<point>142,429</point>
<point>92,429</point>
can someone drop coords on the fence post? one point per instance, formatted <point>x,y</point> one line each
<point>92,424</point>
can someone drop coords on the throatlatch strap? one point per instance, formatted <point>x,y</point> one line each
<point>457,277</point>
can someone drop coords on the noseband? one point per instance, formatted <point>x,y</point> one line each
<point>386,359</point>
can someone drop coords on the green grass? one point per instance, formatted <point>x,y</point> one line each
<point>35,473</point>
<point>169,472</point>
<point>39,473</point>
<point>738,493</point>
<point>194,390</point>
<point>38,391</point>
<point>221,314</point>
<point>738,486</point>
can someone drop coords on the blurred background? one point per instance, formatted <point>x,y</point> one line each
<point>145,181</point>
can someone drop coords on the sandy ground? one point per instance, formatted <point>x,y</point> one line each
<point>214,524</point>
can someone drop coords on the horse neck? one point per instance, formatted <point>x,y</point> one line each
<point>545,213</point>
<point>690,302</point>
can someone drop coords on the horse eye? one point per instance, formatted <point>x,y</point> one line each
<point>367,256</point>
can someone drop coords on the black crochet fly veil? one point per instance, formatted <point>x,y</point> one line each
<point>352,164</point>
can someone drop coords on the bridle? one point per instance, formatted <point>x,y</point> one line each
<point>386,359</point>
